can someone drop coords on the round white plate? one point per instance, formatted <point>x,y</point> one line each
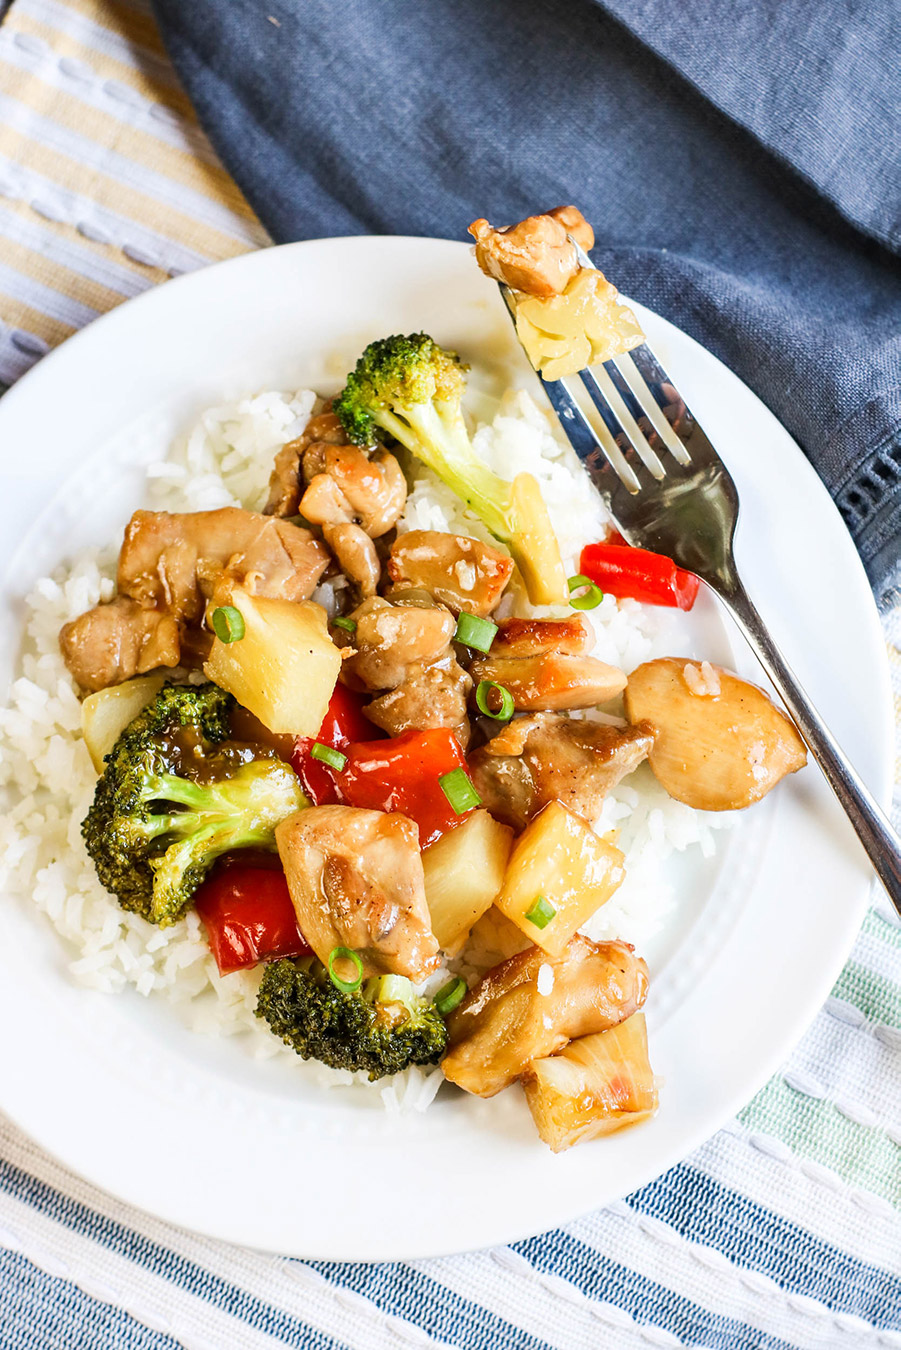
<point>194,1130</point>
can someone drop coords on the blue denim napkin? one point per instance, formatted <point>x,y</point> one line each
<point>739,163</point>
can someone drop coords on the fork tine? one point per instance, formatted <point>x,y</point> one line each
<point>618,419</point>
<point>654,390</point>
<point>590,445</point>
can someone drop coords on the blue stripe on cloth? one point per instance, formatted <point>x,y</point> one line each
<point>649,1303</point>
<point>162,1261</point>
<point>405,1291</point>
<point>41,1312</point>
<point>704,1210</point>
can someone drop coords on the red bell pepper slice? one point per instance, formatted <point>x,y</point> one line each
<point>343,723</point>
<point>248,916</point>
<point>638,574</point>
<point>402,774</point>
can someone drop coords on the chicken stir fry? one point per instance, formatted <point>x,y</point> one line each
<point>356,882</point>
<point>535,256</point>
<point>530,1006</point>
<point>405,651</point>
<point>401,737</point>
<point>545,665</point>
<point>113,642</point>
<point>567,316</point>
<point>546,758</point>
<point>459,572</point>
<point>172,568</point>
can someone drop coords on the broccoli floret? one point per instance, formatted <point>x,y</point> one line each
<point>382,1027</point>
<point>412,389</point>
<point>173,797</point>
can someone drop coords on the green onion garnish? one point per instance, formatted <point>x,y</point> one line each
<point>505,712</point>
<point>592,594</point>
<point>333,758</point>
<point>449,995</point>
<point>475,632</point>
<point>459,791</point>
<point>348,624</point>
<point>228,623</point>
<point>541,913</point>
<point>345,954</point>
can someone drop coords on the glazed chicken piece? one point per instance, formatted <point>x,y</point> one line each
<point>430,696</point>
<point>355,554</point>
<point>356,881</point>
<point>406,650</point>
<point>543,664</point>
<point>535,256</point>
<point>177,562</point>
<point>545,758</point>
<point>286,479</point>
<point>369,490</point>
<point>390,639</point>
<point>111,643</point>
<point>506,1022</point>
<point>460,572</point>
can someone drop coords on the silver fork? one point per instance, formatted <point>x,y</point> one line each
<point>667,490</point>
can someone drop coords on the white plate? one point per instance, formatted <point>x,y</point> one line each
<point>238,1151</point>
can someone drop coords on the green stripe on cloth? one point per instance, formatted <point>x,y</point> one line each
<point>877,998</point>
<point>861,1155</point>
<point>875,925</point>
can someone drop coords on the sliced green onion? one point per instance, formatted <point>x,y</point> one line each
<point>505,712</point>
<point>349,625</point>
<point>345,954</point>
<point>228,623</point>
<point>333,758</point>
<point>475,632</point>
<point>459,791</point>
<point>592,593</point>
<point>449,995</point>
<point>541,913</point>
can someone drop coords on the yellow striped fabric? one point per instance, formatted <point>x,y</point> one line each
<point>107,183</point>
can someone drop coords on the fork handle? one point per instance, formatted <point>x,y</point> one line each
<point>873,829</point>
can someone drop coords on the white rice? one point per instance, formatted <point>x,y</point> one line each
<point>47,775</point>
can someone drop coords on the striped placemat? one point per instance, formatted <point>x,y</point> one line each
<point>783,1231</point>
<point>107,183</point>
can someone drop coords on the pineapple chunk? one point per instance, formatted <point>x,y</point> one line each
<point>585,325</point>
<point>595,1085</point>
<point>106,714</point>
<point>284,668</point>
<point>464,871</point>
<point>561,866</point>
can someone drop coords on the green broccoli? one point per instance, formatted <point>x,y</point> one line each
<point>174,796</point>
<point>412,389</point>
<point>382,1027</point>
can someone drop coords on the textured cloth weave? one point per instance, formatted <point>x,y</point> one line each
<point>782,1231</point>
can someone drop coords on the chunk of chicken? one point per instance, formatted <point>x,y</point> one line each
<point>176,561</point>
<point>356,555</point>
<point>352,486</point>
<point>534,256</point>
<point>541,662</point>
<point>390,639</point>
<point>111,643</point>
<point>460,572</point>
<point>506,1022</point>
<point>548,758</point>
<point>285,481</point>
<point>406,650</point>
<point>430,696</point>
<point>356,881</point>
